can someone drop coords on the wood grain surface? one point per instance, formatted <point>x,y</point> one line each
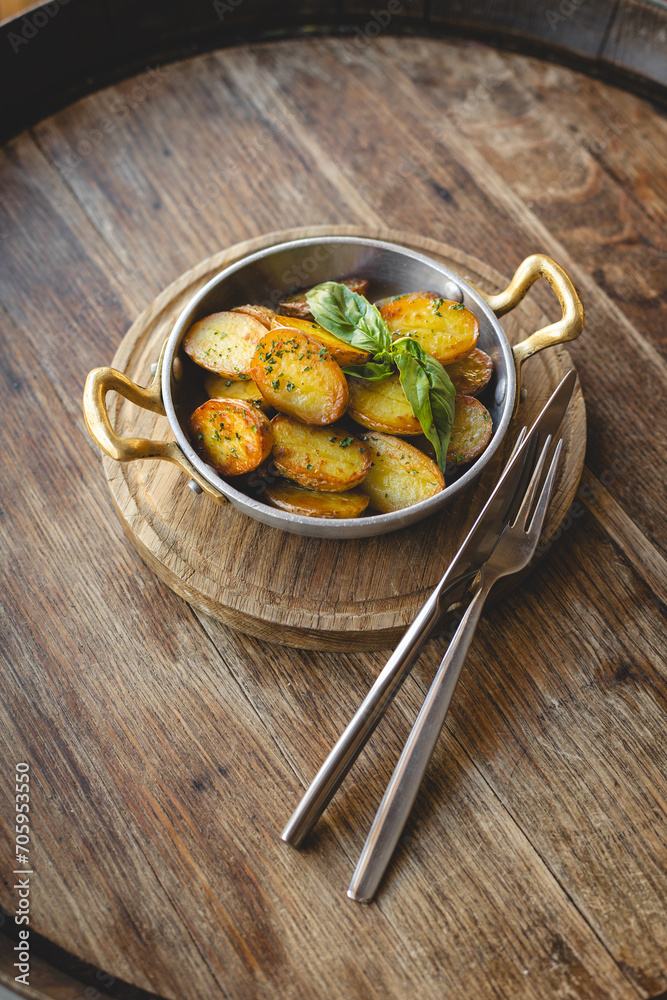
<point>167,750</point>
<point>99,42</point>
<point>307,592</point>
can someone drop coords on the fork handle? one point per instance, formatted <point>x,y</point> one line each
<point>408,774</point>
<point>363,723</point>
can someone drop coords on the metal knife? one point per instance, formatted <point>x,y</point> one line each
<point>475,550</point>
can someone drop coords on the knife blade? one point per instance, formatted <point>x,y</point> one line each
<point>474,551</point>
<point>483,535</point>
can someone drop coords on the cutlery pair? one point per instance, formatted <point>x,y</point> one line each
<point>502,542</point>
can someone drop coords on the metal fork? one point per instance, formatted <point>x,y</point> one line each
<point>514,550</point>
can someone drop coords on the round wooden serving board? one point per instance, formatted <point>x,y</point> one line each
<point>312,593</point>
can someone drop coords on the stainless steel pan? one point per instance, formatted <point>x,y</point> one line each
<point>266,277</point>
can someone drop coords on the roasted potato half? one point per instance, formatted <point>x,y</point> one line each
<point>471,430</point>
<point>299,377</point>
<point>400,475</point>
<point>297,305</point>
<point>445,329</point>
<point>319,458</point>
<point>312,503</point>
<point>344,354</point>
<point>261,313</point>
<point>230,435</point>
<point>219,387</point>
<point>382,406</point>
<point>224,343</point>
<point>471,373</point>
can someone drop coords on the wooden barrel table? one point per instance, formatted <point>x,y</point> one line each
<point>165,750</point>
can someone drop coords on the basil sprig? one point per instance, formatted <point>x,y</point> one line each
<point>349,316</point>
<point>429,390</point>
<point>427,386</point>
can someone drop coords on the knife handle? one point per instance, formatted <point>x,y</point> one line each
<point>362,725</point>
<point>409,772</point>
<point>364,721</point>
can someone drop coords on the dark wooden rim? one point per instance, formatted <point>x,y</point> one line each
<point>60,969</point>
<point>60,50</point>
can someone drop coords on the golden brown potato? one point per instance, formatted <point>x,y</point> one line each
<point>230,435</point>
<point>471,373</point>
<point>319,458</point>
<point>299,377</point>
<point>344,354</point>
<point>219,387</point>
<point>471,430</point>
<point>445,329</point>
<point>312,503</point>
<point>224,343</point>
<point>260,313</point>
<point>400,475</point>
<point>297,305</point>
<point>382,406</point>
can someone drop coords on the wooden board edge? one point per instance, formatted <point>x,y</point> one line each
<point>284,632</point>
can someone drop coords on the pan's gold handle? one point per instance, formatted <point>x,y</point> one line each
<point>568,326</point>
<point>101,381</point>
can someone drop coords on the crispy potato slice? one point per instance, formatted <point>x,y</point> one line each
<point>319,458</point>
<point>471,373</point>
<point>219,387</point>
<point>230,435</point>
<point>314,503</point>
<point>381,303</point>
<point>344,354</point>
<point>224,343</point>
<point>261,313</point>
<point>445,329</point>
<point>296,305</point>
<point>471,430</point>
<point>400,475</point>
<point>298,376</point>
<point>382,406</point>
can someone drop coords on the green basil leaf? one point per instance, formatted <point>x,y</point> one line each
<point>429,390</point>
<point>408,345</point>
<point>442,397</point>
<point>426,384</point>
<point>372,371</point>
<point>349,316</point>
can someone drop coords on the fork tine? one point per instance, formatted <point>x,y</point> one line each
<point>531,489</point>
<point>537,521</point>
